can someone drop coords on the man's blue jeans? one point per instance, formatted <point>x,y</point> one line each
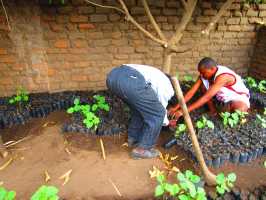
<point>147,113</point>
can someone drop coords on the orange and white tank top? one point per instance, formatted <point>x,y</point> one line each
<point>235,91</point>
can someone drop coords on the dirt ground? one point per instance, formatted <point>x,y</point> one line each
<point>92,177</point>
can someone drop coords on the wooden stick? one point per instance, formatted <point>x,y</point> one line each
<point>102,147</point>
<point>3,151</point>
<point>16,142</point>
<point>209,176</point>
<point>6,164</point>
<point>116,189</point>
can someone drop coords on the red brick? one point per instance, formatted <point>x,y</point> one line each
<point>78,18</point>
<point>80,43</point>
<point>56,27</point>
<point>79,77</point>
<point>8,59</point>
<point>86,26</point>
<point>61,44</point>
<point>3,51</point>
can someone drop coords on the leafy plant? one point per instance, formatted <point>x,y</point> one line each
<point>262,86</point>
<point>185,189</point>
<point>22,96</point>
<point>88,111</point>
<point>257,86</point>
<point>181,128</point>
<point>224,184</point>
<point>233,119</point>
<point>100,104</point>
<point>188,78</point>
<point>45,193</point>
<point>204,122</point>
<point>7,195</point>
<point>251,82</point>
<point>261,120</point>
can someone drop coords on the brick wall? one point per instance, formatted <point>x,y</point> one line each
<point>73,46</point>
<point>258,65</point>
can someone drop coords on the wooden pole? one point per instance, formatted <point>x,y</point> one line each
<point>209,177</point>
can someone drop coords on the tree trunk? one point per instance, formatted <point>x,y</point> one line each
<point>167,61</point>
<point>210,178</point>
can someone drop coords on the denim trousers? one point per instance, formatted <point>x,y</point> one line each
<point>147,113</point>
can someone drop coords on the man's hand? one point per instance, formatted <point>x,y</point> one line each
<point>172,123</point>
<point>177,115</point>
<point>172,110</point>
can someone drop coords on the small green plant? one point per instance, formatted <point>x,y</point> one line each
<point>188,78</point>
<point>204,122</point>
<point>181,128</point>
<point>262,86</point>
<point>233,119</point>
<point>185,189</point>
<point>21,97</point>
<point>89,112</point>
<point>100,104</point>
<point>45,193</point>
<point>251,82</point>
<point>256,2</point>
<point>257,86</point>
<point>261,120</point>
<point>7,195</point>
<point>225,184</point>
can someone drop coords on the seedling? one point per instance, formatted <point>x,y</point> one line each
<point>262,86</point>
<point>204,122</point>
<point>261,120</point>
<point>188,79</point>
<point>181,128</point>
<point>100,104</point>
<point>45,193</point>
<point>233,119</point>
<point>7,195</point>
<point>251,82</point>
<point>185,189</point>
<point>88,112</point>
<point>225,184</point>
<point>20,98</point>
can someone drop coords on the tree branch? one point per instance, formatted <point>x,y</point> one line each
<point>184,4</point>
<point>184,21</point>
<point>99,5</point>
<point>133,21</point>
<point>152,20</point>
<point>215,19</point>
<point>7,20</point>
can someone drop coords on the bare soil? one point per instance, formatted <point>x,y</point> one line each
<point>92,177</point>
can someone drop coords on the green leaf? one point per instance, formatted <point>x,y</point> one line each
<point>18,98</point>
<point>264,164</point>
<point>181,177</point>
<point>200,124</point>
<point>195,179</point>
<point>3,193</point>
<point>11,101</point>
<point>183,197</point>
<point>192,189</point>
<point>188,78</point>
<point>231,177</point>
<point>25,98</point>
<point>188,174</point>
<point>70,110</point>
<point>220,178</point>
<point>160,178</point>
<point>10,195</point>
<point>176,190</point>
<point>159,190</point>
<point>220,190</point>
<point>94,107</point>
<point>76,101</point>
<point>210,124</point>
